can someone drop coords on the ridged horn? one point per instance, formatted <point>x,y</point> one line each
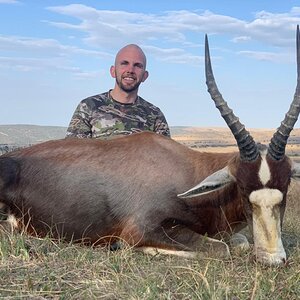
<point>279,140</point>
<point>247,147</point>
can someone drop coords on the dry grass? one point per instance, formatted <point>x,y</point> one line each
<point>32,268</point>
<point>262,135</point>
<point>219,139</point>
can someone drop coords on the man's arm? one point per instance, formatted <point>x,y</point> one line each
<point>80,126</point>
<point>161,125</point>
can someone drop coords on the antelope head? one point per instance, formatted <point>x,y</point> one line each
<point>262,173</point>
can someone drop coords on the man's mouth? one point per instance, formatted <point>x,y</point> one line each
<point>128,79</point>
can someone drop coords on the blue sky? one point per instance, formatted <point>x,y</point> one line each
<point>55,53</point>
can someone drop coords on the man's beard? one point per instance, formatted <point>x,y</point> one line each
<point>126,88</point>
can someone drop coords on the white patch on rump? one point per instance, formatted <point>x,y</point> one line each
<point>11,219</point>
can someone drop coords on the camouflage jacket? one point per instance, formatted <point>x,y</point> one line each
<point>100,116</point>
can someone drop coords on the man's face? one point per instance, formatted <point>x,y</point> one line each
<point>129,69</point>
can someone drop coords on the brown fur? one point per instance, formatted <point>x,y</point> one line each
<point>96,190</point>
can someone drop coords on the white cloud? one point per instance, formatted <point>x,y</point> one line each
<point>173,55</point>
<point>165,36</point>
<point>110,30</point>
<point>240,39</point>
<point>105,28</point>
<point>9,2</point>
<point>25,64</point>
<point>269,56</point>
<point>89,75</point>
<point>44,47</point>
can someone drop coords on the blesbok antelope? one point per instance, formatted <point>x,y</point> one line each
<point>152,192</point>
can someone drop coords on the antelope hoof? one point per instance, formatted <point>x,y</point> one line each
<point>239,243</point>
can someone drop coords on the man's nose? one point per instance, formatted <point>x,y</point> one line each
<point>130,68</point>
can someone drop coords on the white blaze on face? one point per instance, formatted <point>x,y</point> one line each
<point>266,225</point>
<point>266,219</point>
<point>264,171</point>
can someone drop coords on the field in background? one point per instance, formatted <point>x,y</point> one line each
<point>32,268</point>
<point>219,139</point>
<point>210,139</point>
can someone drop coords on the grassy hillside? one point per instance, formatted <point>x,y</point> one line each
<point>29,134</point>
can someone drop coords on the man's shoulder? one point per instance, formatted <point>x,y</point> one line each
<point>148,105</point>
<point>95,101</point>
<point>103,97</point>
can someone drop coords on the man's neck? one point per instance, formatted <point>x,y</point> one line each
<point>123,97</point>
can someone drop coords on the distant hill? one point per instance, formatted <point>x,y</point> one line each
<point>195,137</point>
<point>24,135</point>
<point>223,135</point>
<point>220,139</point>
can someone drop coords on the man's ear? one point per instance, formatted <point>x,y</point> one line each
<point>113,72</point>
<point>145,76</point>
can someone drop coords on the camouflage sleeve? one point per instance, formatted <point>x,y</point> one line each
<point>161,125</point>
<point>80,126</point>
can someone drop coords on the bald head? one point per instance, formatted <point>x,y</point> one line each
<point>132,50</point>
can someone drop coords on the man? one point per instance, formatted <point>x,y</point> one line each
<point>119,111</point>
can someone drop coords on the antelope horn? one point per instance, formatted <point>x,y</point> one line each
<point>279,140</point>
<point>247,147</point>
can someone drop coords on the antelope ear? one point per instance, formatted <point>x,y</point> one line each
<point>210,184</point>
<point>296,170</point>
